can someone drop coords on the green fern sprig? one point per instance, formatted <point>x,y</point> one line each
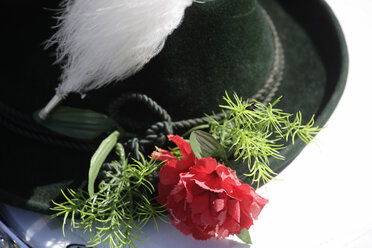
<point>124,203</point>
<point>256,132</point>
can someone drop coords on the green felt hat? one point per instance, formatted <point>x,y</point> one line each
<point>259,49</point>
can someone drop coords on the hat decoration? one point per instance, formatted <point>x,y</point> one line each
<point>99,42</point>
<point>196,183</point>
<point>201,172</point>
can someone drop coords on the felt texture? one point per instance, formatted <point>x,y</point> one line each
<point>222,45</point>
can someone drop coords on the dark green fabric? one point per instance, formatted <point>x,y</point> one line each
<point>214,50</point>
<point>221,45</point>
<point>307,94</point>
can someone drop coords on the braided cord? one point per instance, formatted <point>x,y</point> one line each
<point>34,131</point>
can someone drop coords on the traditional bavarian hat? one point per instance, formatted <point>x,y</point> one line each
<point>258,49</point>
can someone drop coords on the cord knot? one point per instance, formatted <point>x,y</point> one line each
<point>155,135</point>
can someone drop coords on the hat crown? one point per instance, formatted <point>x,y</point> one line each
<point>221,45</point>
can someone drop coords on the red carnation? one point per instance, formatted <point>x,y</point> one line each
<point>204,198</point>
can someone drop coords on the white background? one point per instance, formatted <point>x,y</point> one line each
<point>325,196</point>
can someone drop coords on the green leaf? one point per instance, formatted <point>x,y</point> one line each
<point>245,237</point>
<point>122,205</point>
<point>78,123</point>
<point>99,157</point>
<point>257,132</point>
<point>204,145</point>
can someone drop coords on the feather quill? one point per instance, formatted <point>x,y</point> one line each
<point>102,41</point>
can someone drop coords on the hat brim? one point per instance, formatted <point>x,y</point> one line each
<point>316,63</point>
<point>314,78</point>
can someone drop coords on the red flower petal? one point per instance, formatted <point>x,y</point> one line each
<point>183,227</point>
<point>169,173</point>
<point>221,217</point>
<point>200,204</point>
<point>246,221</point>
<point>256,208</point>
<point>204,198</point>
<point>233,207</point>
<point>209,182</point>
<point>162,155</point>
<point>204,165</point>
<point>187,162</point>
<point>178,193</point>
<point>222,232</point>
<point>178,210</point>
<point>218,205</point>
<point>232,226</point>
<point>231,184</point>
<point>164,191</point>
<point>207,219</point>
<point>227,175</point>
<point>192,188</point>
<point>253,204</point>
<point>184,146</point>
<point>202,234</point>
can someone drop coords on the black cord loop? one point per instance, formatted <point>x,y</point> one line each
<point>155,133</point>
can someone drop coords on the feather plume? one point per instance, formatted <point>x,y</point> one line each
<point>101,41</point>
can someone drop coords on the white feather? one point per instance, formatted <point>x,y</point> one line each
<point>101,41</point>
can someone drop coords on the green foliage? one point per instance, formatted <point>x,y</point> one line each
<point>204,145</point>
<point>123,204</point>
<point>245,236</point>
<point>257,132</point>
<point>176,152</point>
<point>99,158</point>
<point>78,123</point>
